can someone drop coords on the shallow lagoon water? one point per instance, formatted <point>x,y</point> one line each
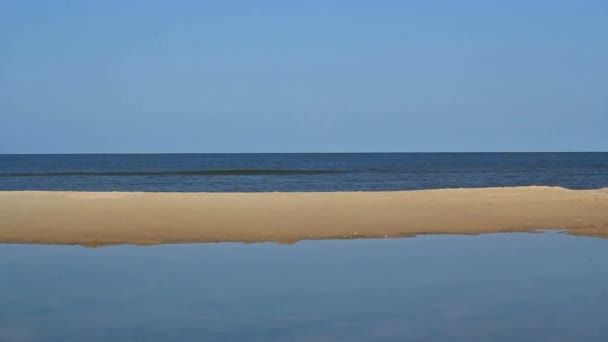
<point>498,287</point>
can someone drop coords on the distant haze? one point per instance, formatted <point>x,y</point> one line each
<point>303,76</point>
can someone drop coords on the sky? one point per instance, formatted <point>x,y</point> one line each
<point>303,76</point>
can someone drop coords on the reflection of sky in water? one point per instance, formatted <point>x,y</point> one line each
<point>502,287</point>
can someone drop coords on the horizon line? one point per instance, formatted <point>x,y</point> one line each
<point>352,152</point>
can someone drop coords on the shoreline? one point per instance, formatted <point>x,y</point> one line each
<point>148,218</point>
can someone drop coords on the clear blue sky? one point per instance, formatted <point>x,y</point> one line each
<point>303,76</point>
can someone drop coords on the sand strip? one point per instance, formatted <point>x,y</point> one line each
<point>101,218</point>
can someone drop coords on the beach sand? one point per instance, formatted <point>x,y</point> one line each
<point>102,218</point>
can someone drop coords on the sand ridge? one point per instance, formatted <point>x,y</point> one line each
<point>103,218</point>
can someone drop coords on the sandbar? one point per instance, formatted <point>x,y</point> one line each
<point>141,218</point>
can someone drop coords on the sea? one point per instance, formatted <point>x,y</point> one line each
<point>268,172</point>
<point>516,287</point>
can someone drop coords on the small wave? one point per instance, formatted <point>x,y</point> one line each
<point>238,172</point>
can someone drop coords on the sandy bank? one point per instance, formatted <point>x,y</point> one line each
<point>99,218</point>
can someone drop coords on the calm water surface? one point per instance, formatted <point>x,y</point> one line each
<point>501,287</point>
<point>300,171</point>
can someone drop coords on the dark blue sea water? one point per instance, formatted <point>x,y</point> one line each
<point>300,172</point>
<point>500,287</point>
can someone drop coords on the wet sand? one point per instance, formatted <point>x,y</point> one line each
<point>102,218</point>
